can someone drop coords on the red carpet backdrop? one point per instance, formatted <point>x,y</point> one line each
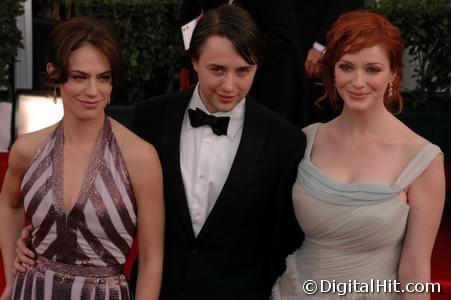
<point>3,166</point>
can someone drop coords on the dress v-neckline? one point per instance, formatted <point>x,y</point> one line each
<point>88,180</point>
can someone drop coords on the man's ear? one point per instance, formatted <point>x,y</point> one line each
<point>195,64</point>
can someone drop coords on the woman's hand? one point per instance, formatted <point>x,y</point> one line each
<point>312,65</point>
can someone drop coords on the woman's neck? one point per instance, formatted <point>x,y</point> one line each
<point>370,122</point>
<point>78,132</point>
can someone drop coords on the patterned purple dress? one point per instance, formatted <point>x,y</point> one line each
<point>80,254</point>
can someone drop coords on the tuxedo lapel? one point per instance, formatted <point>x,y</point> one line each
<point>251,143</point>
<point>176,196</point>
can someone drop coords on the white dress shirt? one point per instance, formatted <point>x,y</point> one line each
<point>206,159</point>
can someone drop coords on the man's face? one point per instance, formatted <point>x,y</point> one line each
<point>225,78</point>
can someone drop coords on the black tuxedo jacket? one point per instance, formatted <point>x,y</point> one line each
<point>240,251</point>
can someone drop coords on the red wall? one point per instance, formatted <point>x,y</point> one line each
<point>3,167</point>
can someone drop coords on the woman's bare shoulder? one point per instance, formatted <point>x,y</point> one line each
<point>132,146</point>
<point>404,143</point>
<point>412,141</point>
<point>26,146</point>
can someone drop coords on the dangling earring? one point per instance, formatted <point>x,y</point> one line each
<point>390,90</point>
<point>55,94</point>
<point>108,100</point>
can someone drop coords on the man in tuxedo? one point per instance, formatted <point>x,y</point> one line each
<point>228,167</point>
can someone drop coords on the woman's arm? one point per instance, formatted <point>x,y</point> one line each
<point>146,176</point>
<point>12,215</point>
<point>426,196</point>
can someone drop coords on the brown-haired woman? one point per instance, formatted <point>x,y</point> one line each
<point>370,192</point>
<point>84,183</point>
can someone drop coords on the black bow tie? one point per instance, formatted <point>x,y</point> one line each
<point>199,118</point>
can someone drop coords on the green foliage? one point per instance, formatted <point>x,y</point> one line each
<point>10,37</point>
<point>426,29</point>
<point>151,39</point>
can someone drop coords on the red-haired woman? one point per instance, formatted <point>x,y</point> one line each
<point>370,192</point>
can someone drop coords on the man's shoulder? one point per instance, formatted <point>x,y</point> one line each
<point>150,115</point>
<point>276,122</point>
<point>163,100</point>
<point>288,138</point>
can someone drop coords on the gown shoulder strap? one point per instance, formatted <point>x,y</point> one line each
<point>417,165</point>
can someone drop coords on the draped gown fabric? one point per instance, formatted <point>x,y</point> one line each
<point>353,232</point>
<point>80,253</point>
